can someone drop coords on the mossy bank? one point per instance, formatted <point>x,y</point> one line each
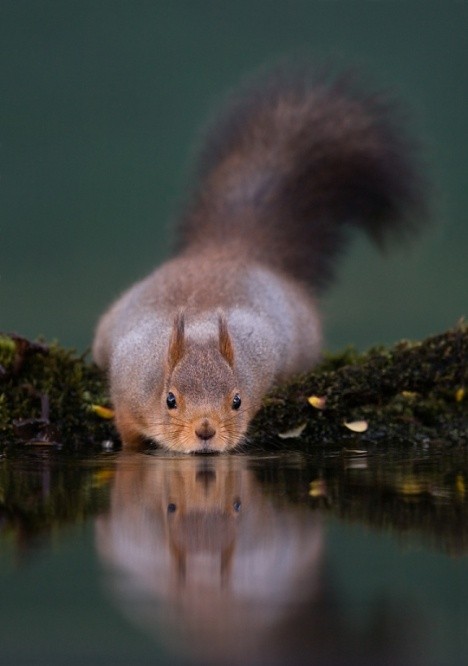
<point>413,394</point>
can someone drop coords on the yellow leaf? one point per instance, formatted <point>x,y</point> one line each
<point>356,426</point>
<point>319,402</point>
<point>409,395</point>
<point>103,412</point>
<point>460,394</point>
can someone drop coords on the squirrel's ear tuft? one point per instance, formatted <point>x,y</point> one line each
<point>177,341</point>
<point>225,343</point>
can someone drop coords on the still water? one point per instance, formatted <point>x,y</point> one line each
<point>140,558</point>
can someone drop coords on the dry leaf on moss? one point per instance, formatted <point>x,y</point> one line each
<point>356,426</point>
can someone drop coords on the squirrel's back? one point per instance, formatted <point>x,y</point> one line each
<point>292,160</point>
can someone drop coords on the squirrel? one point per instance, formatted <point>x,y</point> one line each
<point>291,163</point>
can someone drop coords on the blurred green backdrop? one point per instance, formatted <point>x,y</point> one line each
<point>100,105</point>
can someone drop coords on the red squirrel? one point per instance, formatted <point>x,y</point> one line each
<point>292,162</point>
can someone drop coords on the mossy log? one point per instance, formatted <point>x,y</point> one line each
<point>410,394</point>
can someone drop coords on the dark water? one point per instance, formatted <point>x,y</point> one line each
<point>337,558</point>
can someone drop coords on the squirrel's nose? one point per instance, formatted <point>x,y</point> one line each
<point>205,430</point>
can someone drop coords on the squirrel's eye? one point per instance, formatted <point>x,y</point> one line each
<point>171,401</point>
<point>236,401</point>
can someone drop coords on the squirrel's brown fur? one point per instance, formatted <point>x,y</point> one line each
<point>192,349</point>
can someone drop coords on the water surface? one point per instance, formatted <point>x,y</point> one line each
<point>338,557</point>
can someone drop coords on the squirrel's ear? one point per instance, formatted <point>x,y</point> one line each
<point>177,341</point>
<point>225,343</point>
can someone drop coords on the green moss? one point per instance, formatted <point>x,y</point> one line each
<point>408,394</point>
<point>55,388</point>
<point>7,351</point>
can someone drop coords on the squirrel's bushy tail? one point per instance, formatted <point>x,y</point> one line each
<point>293,160</point>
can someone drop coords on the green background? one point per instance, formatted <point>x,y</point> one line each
<point>100,105</point>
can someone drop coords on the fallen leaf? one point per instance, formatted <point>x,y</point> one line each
<point>356,426</point>
<point>460,394</point>
<point>319,402</point>
<point>294,432</point>
<point>103,412</point>
<point>409,395</point>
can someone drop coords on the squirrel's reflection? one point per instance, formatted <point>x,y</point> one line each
<point>224,572</point>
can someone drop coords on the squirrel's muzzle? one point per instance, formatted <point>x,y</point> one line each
<point>204,430</point>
